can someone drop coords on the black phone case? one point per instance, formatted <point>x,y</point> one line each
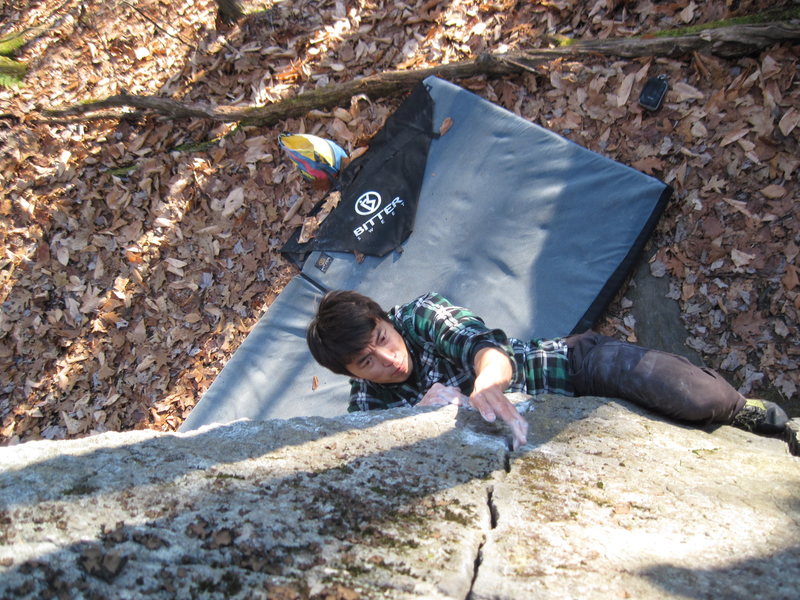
<point>653,92</point>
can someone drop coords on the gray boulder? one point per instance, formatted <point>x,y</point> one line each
<point>604,502</point>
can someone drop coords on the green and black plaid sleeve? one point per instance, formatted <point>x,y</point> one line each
<point>456,332</point>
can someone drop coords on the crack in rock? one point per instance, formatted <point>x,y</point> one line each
<point>494,517</point>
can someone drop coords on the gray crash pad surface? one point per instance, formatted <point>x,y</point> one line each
<point>272,374</point>
<point>528,229</point>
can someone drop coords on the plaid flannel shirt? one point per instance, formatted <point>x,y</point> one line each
<point>442,341</point>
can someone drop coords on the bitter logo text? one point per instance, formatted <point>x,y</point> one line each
<point>367,204</point>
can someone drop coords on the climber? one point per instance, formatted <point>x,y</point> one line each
<point>429,352</point>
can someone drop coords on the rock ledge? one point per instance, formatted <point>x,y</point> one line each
<point>604,502</point>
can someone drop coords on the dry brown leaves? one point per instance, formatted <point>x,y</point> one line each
<point>131,269</point>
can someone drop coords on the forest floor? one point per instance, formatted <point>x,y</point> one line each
<point>138,252</point>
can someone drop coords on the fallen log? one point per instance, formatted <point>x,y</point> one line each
<point>732,41</point>
<point>378,85</point>
<point>727,42</point>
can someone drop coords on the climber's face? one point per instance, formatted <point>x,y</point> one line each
<point>385,359</point>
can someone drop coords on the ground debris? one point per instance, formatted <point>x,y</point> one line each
<point>138,253</point>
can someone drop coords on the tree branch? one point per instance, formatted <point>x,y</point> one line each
<point>381,84</point>
<point>727,42</point>
<point>730,41</point>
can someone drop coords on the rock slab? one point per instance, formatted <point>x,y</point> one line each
<point>604,502</point>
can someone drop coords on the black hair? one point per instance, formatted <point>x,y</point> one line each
<point>342,328</point>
